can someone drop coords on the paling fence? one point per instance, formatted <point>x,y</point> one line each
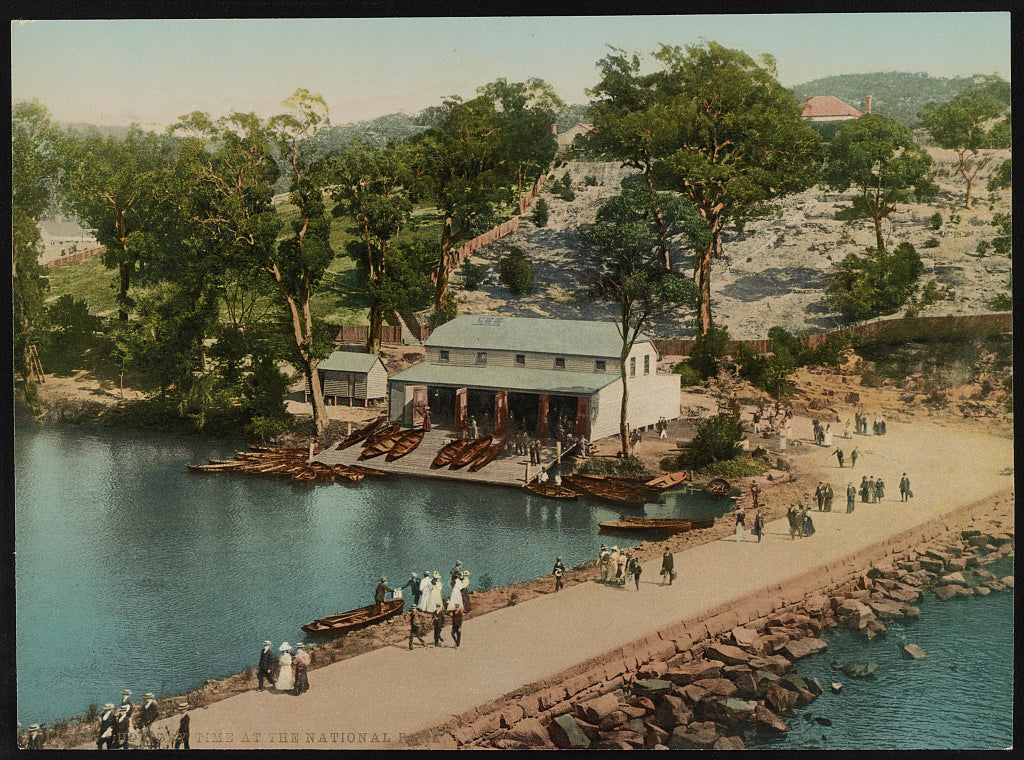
<point>73,257</point>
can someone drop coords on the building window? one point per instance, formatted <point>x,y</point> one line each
<point>481,357</point>
<point>632,366</point>
<point>647,364</point>
<point>442,355</point>
<point>520,360</point>
<point>559,362</point>
<point>600,365</point>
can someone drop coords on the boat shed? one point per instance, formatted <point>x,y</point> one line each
<point>347,377</point>
<point>549,377</point>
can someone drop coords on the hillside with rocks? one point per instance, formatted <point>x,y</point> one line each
<point>773,273</point>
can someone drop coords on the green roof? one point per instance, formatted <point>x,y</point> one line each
<point>507,378</point>
<point>349,361</point>
<point>550,336</point>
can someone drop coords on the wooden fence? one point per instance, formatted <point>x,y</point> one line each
<point>72,258</point>
<point>900,329</point>
<point>681,347</point>
<point>361,333</point>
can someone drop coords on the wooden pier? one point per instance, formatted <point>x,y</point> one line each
<point>509,469</point>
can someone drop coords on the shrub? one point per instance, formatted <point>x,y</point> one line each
<point>1001,179</point>
<point>539,216</point>
<point>590,180</point>
<point>687,375</point>
<point>983,246</point>
<point>935,221</point>
<point>471,275</point>
<point>1002,245</point>
<point>768,372</point>
<point>830,353</point>
<point>1001,302</point>
<point>877,284</point>
<point>740,467</point>
<point>932,242</point>
<point>516,272</point>
<point>708,350</point>
<point>617,466</point>
<point>717,439</point>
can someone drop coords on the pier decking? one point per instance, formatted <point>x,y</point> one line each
<point>509,469</point>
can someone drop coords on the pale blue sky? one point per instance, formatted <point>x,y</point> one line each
<point>152,71</point>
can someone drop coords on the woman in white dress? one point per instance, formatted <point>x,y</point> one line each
<point>436,602</point>
<point>456,600</point>
<point>285,680</point>
<point>828,435</point>
<point>425,584</point>
<point>846,431</point>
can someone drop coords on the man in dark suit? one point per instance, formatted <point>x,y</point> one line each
<point>122,726</point>
<point>148,713</point>
<point>105,737</point>
<point>181,737</point>
<point>378,595</point>
<point>266,666</point>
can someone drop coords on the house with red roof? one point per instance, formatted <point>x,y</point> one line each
<point>830,108</point>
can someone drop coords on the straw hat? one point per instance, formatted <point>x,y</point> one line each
<point>147,695</point>
<point>34,727</point>
<point>183,705</point>
<point>268,643</point>
<point>437,575</point>
<point>126,693</point>
<point>383,579</point>
<point>413,575</point>
<point>284,647</point>
<point>108,706</point>
<point>300,645</point>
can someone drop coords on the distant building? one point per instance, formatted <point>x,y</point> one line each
<point>545,375</point>
<point>347,377</point>
<point>830,108</point>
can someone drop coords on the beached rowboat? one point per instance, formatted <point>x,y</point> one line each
<point>449,451</point>
<point>647,526</point>
<point>474,449</point>
<point>381,444</point>
<point>718,487</point>
<point>668,480</point>
<point>335,625</point>
<point>487,456</point>
<point>357,435</point>
<point>405,443</point>
<point>607,490</point>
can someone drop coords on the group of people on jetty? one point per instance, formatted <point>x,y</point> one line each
<point>116,724</point>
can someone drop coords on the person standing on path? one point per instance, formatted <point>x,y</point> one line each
<point>425,586</point>
<point>456,572</point>
<point>436,601</point>
<point>668,563</point>
<point>466,603</point>
<point>829,495</point>
<point>148,713</point>
<point>635,571</point>
<point>181,737</point>
<point>879,489</point>
<point>285,680</point>
<point>853,458</point>
<point>455,600</point>
<point>108,721</point>
<point>758,528</point>
<point>383,589</point>
<point>741,517</point>
<point>457,626</point>
<point>417,626</point>
<point>266,666</point>
<point>613,559</point>
<point>301,662</point>
<point>35,737</point>
<point>603,562</point>
<point>819,495</point>
<point>438,626</point>
<point>839,455</point>
<point>792,515</point>
<point>558,572</point>
<point>872,495</point>
<point>864,488</point>
<point>413,584</point>
<point>851,497</point>
<point>847,433</point>
<point>904,487</point>
<point>122,726</point>
<point>807,525</point>
<point>755,493</point>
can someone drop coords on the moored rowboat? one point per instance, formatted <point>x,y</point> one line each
<point>357,435</point>
<point>369,472</point>
<point>474,449</point>
<point>552,491</point>
<point>381,444</point>
<point>487,456</point>
<point>404,443</point>
<point>607,490</point>
<point>648,526</point>
<point>450,451</point>
<point>335,625</point>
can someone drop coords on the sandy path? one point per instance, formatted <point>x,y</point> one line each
<point>394,691</point>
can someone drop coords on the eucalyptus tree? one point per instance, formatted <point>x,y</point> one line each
<point>740,142</point>
<point>371,186</point>
<point>35,168</point>
<point>883,162</point>
<point>629,273</point>
<point>967,126</point>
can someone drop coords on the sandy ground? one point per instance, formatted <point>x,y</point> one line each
<point>773,273</point>
<point>395,691</point>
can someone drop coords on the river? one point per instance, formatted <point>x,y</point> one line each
<point>132,573</point>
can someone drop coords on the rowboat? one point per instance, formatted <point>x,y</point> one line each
<point>405,443</point>
<point>629,481</point>
<point>381,444</point>
<point>369,472</point>
<point>357,435</point>
<point>487,456</point>
<point>473,449</point>
<point>718,487</point>
<point>382,432</point>
<point>702,522</point>
<point>335,625</point>
<point>552,491</point>
<point>648,526</point>
<point>449,451</point>
<point>340,472</point>
<point>607,490</point>
<point>218,467</point>
<point>668,480</point>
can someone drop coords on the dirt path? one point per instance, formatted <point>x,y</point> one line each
<point>393,691</point>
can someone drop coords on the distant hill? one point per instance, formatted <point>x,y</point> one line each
<point>896,94</point>
<point>104,131</point>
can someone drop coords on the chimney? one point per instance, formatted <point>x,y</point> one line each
<point>868,107</point>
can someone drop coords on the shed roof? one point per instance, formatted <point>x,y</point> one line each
<point>827,105</point>
<point>505,378</point>
<point>550,336</point>
<point>349,361</point>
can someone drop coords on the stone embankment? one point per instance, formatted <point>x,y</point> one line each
<point>716,681</point>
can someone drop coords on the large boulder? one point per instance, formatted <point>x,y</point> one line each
<point>861,669</point>
<point>766,720</point>
<point>727,654</point>
<point>773,642</point>
<point>776,663</point>
<point>654,669</point>
<point>654,735</point>
<point>903,594</point>
<point>726,710</point>
<point>721,687</point>
<point>612,720</point>
<point>691,693</point>
<point>780,699</point>
<point>853,614</point>
<point>795,650</point>
<point>652,687</point>
<point>595,710</point>
<point>957,578</point>
<point>945,592</point>
<point>746,684</point>
<point>728,743</point>
<point>566,733</point>
<point>531,733</point>
<point>957,564</point>
<point>748,638</point>
<point>913,651</point>
<point>932,564</point>
<point>886,609</point>
<point>671,712</point>
<point>693,671</point>
<point>874,628</point>
<point>701,735</point>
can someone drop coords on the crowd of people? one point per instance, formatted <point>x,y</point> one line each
<point>285,673</point>
<point>116,724</point>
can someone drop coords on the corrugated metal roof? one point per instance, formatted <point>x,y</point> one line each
<point>506,378</point>
<point>550,336</point>
<point>827,105</point>
<point>349,361</point>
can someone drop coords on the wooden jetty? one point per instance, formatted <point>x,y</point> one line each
<point>357,435</point>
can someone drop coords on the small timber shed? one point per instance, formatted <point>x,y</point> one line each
<point>347,377</point>
<point>549,377</point>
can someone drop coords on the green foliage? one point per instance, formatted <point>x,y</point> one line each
<point>1001,178</point>
<point>1004,223</point>
<point>688,376</point>
<point>539,215</point>
<point>830,352</point>
<point>471,275</point>
<point>935,221</point>
<point>769,371</point>
<point>618,466</point>
<point>718,439</point>
<point>267,428</point>
<point>708,351</point>
<point>878,284</point>
<point>743,466</point>
<point>516,272</point>
<point>982,247</point>
<point>590,181</point>
<point>1002,302</point>
<point>932,242</point>
<point>439,316</point>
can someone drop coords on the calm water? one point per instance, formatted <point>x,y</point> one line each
<point>959,696</point>
<point>132,573</point>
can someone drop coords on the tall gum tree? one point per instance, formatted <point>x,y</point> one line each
<point>882,161</point>
<point>740,142</point>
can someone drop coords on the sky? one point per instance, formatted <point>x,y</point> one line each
<point>151,71</point>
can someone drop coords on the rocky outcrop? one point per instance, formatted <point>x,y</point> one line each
<point>913,651</point>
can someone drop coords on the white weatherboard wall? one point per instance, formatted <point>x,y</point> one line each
<point>650,399</point>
